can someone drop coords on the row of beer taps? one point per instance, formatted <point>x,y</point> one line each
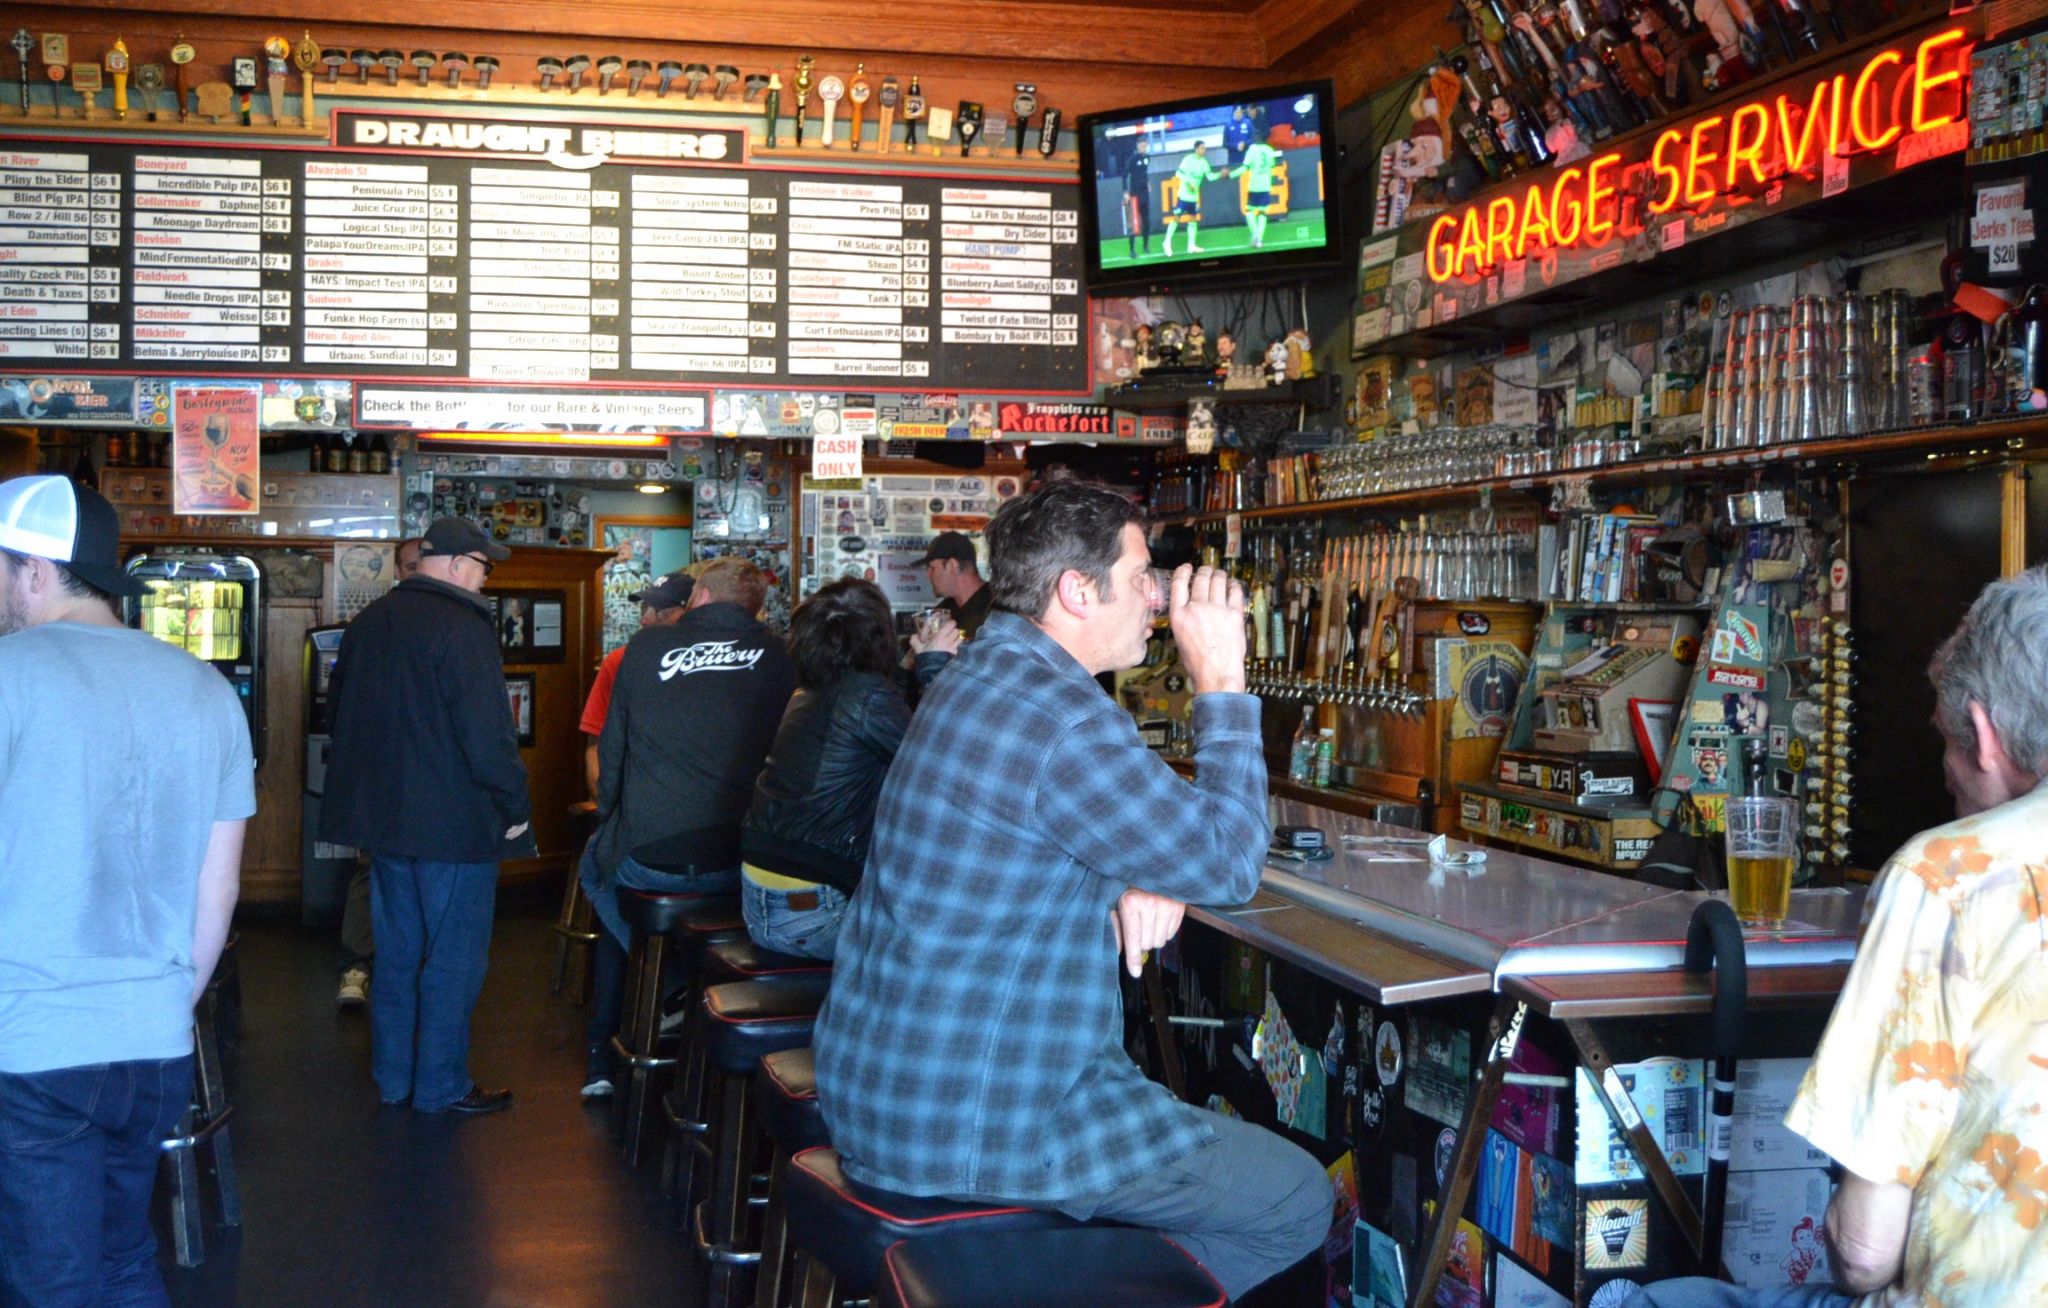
<point>1346,636</point>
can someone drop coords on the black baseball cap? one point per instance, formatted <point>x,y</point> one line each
<point>948,545</point>
<point>57,519</point>
<point>670,592</point>
<point>461,536</point>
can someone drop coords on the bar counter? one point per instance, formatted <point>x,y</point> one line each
<point>1380,921</point>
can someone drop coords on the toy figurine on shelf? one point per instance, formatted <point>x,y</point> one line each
<point>1147,356</point>
<point>1171,340</point>
<point>1276,363</point>
<point>1301,359</point>
<point>1226,353</point>
<point>1560,134</point>
<point>1195,349</point>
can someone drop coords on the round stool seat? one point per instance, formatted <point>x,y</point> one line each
<point>785,1091</point>
<point>648,913</point>
<point>849,1226</point>
<point>740,959</point>
<point>1081,1268</point>
<point>751,1019</point>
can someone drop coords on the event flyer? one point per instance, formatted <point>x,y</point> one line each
<point>215,450</point>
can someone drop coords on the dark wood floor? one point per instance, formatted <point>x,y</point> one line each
<point>348,1203</point>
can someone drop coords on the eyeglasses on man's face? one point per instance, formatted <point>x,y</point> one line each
<point>481,562</point>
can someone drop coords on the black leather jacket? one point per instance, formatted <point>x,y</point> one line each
<point>814,804</point>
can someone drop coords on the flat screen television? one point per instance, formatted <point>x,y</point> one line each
<point>1209,191</point>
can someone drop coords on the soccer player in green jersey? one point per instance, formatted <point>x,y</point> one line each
<point>1260,161</point>
<point>1194,169</point>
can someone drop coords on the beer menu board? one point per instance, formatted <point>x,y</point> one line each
<point>330,262</point>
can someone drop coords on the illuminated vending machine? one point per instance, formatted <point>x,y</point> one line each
<point>210,605</point>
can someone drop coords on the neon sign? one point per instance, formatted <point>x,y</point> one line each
<point>1895,97</point>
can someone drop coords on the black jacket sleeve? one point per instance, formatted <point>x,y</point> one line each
<point>473,687</point>
<point>883,718</point>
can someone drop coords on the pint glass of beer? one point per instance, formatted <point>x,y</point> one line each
<point>1763,835</point>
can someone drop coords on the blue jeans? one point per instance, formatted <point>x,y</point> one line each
<point>433,926</point>
<point>602,889</point>
<point>78,1157</point>
<point>805,932</point>
<point>1703,1292</point>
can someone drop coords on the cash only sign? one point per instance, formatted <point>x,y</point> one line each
<point>1898,105</point>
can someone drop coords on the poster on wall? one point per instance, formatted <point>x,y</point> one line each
<point>642,549</point>
<point>216,450</point>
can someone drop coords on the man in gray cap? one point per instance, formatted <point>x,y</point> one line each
<point>125,782</point>
<point>949,565</point>
<point>425,777</point>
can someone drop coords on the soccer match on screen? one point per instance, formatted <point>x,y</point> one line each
<point>1228,179</point>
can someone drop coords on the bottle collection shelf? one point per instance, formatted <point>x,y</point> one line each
<point>2001,437</point>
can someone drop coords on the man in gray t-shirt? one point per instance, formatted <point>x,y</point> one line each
<point>125,783</point>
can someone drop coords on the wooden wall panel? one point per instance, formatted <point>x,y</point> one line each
<point>270,851</point>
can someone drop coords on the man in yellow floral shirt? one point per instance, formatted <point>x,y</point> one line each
<point>1931,1084</point>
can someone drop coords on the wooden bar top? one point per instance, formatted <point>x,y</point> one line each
<point>1650,994</point>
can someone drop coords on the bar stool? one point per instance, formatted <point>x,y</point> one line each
<point>695,934</point>
<point>203,1125</point>
<point>744,1022</point>
<point>641,1046</point>
<point>842,1229</point>
<point>1082,1268</point>
<point>785,1101</point>
<point>575,926</point>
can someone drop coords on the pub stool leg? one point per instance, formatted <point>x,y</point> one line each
<point>639,1043</point>
<point>188,1225</point>
<point>785,1095</point>
<point>744,1021</point>
<point>213,1108</point>
<point>575,937</point>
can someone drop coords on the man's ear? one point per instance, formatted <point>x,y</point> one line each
<point>1074,593</point>
<point>1989,753</point>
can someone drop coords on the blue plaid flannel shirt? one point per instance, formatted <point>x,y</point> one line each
<point>972,1044</point>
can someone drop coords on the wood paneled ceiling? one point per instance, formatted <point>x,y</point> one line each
<point>1100,52</point>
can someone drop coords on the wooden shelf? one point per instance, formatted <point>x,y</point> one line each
<point>1317,392</point>
<point>2003,437</point>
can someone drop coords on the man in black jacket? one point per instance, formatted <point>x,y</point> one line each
<point>694,710</point>
<point>425,777</point>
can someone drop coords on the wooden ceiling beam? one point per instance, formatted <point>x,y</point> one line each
<point>1284,26</point>
<point>1031,30</point>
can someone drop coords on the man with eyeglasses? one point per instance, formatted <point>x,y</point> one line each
<point>424,776</point>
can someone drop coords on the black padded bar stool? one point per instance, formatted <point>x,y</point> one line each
<point>842,1229</point>
<point>1084,1268</point>
<point>785,1095</point>
<point>734,958</point>
<point>695,934</point>
<point>744,1021</point>
<point>740,959</point>
<point>639,1045</point>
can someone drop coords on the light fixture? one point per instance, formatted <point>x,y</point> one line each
<point>651,488</point>
<point>614,440</point>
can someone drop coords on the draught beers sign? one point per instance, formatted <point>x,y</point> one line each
<point>1910,100</point>
<point>565,143</point>
<point>215,460</point>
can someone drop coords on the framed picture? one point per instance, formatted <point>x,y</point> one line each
<point>519,694</point>
<point>529,624</point>
<point>642,548</point>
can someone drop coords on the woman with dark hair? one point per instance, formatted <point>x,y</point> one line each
<point>806,835</point>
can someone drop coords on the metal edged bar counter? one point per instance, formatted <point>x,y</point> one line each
<point>1587,964</point>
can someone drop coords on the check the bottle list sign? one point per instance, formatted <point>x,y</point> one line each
<point>55,214</point>
<point>367,295</point>
<point>996,282</point>
<point>199,260</point>
<point>856,272</point>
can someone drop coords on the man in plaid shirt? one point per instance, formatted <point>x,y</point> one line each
<point>972,1043</point>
